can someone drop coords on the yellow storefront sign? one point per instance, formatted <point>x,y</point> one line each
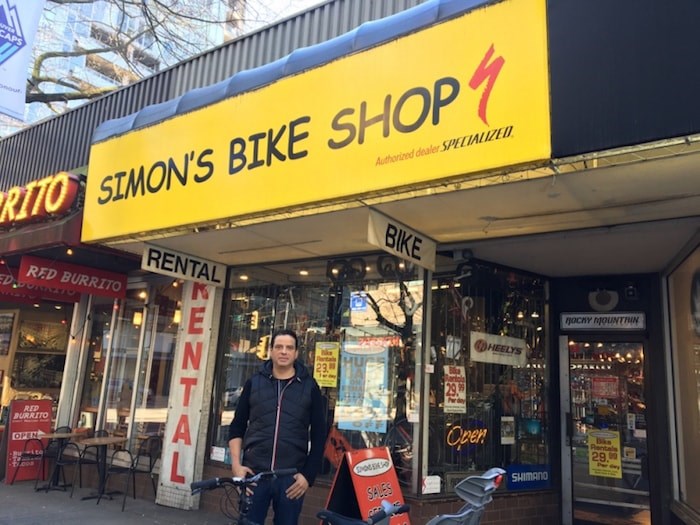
<point>326,364</point>
<point>604,458</point>
<point>463,96</point>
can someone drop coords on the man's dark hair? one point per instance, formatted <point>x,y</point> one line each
<point>285,331</point>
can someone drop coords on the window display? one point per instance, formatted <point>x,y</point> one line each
<point>359,323</point>
<point>488,390</point>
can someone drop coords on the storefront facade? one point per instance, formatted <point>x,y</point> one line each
<point>475,265</point>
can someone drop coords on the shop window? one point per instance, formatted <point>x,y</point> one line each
<point>488,403</point>
<point>132,344</point>
<point>359,322</point>
<point>684,290</point>
<point>40,356</point>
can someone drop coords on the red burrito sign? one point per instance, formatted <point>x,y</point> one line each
<point>26,420</point>
<point>11,291</point>
<point>65,276</point>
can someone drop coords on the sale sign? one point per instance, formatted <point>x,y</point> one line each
<point>326,364</point>
<point>371,473</point>
<point>27,419</point>
<point>604,457</point>
<point>455,401</point>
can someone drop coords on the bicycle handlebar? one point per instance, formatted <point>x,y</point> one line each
<point>328,517</point>
<point>209,484</point>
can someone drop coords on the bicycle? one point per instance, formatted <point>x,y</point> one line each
<point>237,511</point>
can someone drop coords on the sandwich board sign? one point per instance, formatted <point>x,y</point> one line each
<point>369,475</point>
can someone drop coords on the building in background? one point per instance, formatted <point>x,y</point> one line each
<point>98,46</point>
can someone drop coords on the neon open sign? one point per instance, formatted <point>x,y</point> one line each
<point>458,437</point>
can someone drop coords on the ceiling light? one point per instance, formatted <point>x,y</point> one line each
<point>243,277</point>
<point>303,272</point>
<point>69,251</point>
<point>142,294</point>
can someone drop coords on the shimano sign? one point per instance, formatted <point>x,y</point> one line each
<point>529,477</point>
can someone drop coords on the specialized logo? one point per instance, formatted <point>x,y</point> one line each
<point>11,37</point>
<point>486,72</point>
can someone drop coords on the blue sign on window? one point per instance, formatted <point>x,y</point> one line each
<point>358,302</point>
<point>529,477</point>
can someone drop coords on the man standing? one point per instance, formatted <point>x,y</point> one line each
<point>279,412</point>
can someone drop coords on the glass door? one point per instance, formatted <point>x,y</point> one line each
<point>608,432</point>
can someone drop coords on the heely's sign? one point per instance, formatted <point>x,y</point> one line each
<point>475,98</point>
<point>400,240</point>
<point>603,321</point>
<point>48,197</point>
<point>179,265</point>
<point>489,348</point>
<point>64,276</point>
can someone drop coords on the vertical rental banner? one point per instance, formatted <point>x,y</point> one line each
<point>19,20</point>
<point>182,427</point>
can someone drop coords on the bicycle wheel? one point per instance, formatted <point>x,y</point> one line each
<point>399,441</point>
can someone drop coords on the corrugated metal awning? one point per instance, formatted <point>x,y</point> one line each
<point>365,36</point>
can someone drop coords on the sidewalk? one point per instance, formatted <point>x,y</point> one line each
<point>20,505</point>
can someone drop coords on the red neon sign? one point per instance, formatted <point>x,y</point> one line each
<point>50,196</point>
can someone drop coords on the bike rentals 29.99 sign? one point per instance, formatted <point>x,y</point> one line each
<point>368,474</point>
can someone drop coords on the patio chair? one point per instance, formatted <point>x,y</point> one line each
<point>32,451</point>
<point>68,455</point>
<point>88,456</point>
<point>123,462</point>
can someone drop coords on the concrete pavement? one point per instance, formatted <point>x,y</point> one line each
<point>21,505</point>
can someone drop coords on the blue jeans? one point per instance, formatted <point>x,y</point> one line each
<point>286,511</point>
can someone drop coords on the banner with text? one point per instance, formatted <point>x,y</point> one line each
<point>46,273</point>
<point>475,98</point>
<point>398,239</point>
<point>182,427</point>
<point>326,363</point>
<point>19,20</point>
<point>490,348</point>
<point>27,419</point>
<point>363,395</point>
<point>30,293</point>
<point>455,390</point>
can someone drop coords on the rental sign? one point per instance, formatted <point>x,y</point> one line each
<point>463,96</point>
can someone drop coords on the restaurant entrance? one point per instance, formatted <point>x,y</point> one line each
<point>607,430</point>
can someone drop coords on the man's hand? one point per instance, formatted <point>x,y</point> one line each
<point>297,489</point>
<point>239,471</point>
